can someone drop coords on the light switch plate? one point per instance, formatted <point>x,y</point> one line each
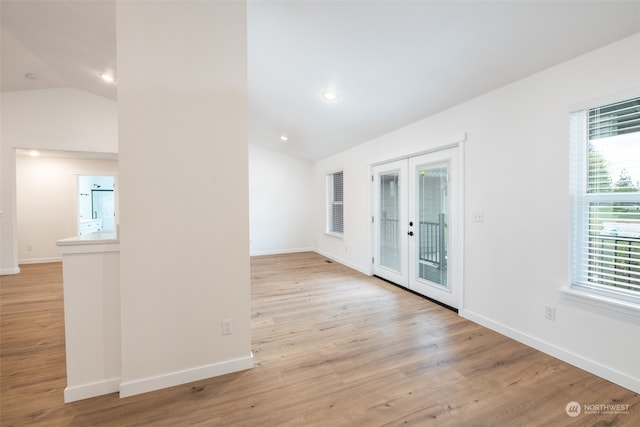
<point>477,216</point>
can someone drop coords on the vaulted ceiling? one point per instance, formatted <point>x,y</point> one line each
<point>389,63</point>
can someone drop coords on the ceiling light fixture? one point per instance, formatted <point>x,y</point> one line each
<point>31,76</point>
<point>329,96</point>
<point>284,138</point>
<point>34,153</point>
<point>107,77</point>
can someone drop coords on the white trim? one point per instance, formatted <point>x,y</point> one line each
<point>453,141</point>
<point>462,215</point>
<point>334,234</point>
<point>581,290</point>
<point>363,270</point>
<point>456,142</point>
<point>144,385</point>
<point>400,167</point>
<point>591,366</point>
<point>39,260</point>
<point>280,251</point>
<point>9,271</point>
<point>81,248</point>
<point>611,98</point>
<point>609,305</point>
<point>86,391</point>
<point>83,173</point>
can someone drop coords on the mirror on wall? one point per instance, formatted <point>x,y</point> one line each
<point>96,204</point>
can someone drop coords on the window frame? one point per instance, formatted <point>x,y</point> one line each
<point>332,203</point>
<point>616,298</point>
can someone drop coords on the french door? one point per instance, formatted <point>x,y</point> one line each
<point>416,224</point>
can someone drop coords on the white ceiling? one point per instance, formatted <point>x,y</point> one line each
<point>391,62</point>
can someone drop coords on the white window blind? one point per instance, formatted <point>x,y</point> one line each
<point>606,200</point>
<point>335,203</point>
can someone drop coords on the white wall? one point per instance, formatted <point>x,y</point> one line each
<point>47,202</point>
<point>51,119</point>
<point>73,120</point>
<point>352,249</point>
<point>516,171</point>
<point>280,200</point>
<point>184,184</point>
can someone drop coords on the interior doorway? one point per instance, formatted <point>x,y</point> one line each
<point>96,204</point>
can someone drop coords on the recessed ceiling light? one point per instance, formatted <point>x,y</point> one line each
<point>31,76</point>
<point>329,96</point>
<point>107,77</point>
<point>34,153</point>
<point>284,138</point>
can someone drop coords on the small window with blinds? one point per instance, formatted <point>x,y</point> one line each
<point>335,203</point>
<point>606,200</point>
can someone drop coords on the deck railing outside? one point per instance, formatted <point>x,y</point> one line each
<point>433,240</point>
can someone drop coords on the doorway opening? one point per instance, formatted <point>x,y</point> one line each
<point>96,204</point>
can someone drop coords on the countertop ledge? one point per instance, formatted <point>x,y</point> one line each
<point>97,238</point>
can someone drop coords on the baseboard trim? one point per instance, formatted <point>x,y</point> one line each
<point>280,251</point>
<point>343,262</point>
<point>144,385</point>
<point>9,271</point>
<point>318,251</point>
<point>39,260</point>
<point>86,391</point>
<point>591,366</point>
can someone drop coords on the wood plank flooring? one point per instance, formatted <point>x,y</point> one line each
<point>332,347</point>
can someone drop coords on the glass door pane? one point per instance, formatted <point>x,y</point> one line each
<point>389,221</point>
<point>434,226</point>
<point>390,240</point>
<point>433,219</point>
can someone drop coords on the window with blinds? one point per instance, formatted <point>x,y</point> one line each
<point>606,200</point>
<point>335,203</point>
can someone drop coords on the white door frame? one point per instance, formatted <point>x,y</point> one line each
<point>458,242</point>
<point>400,167</point>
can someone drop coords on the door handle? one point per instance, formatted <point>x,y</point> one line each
<point>410,233</point>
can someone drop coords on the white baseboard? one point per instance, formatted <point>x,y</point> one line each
<point>144,385</point>
<point>324,254</point>
<point>39,260</point>
<point>344,262</point>
<point>85,391</point>
<point>615,376</point>
<point>280,251</point>
<point>9,271</point>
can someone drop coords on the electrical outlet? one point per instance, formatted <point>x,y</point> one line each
<point>29,248</point>
<point>550,312</point>
<point>477,216</point>
<point>227,326</point>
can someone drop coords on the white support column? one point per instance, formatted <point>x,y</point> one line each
<point>184,239</point>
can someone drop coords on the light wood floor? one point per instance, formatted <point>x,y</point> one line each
<point>332,347</point>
